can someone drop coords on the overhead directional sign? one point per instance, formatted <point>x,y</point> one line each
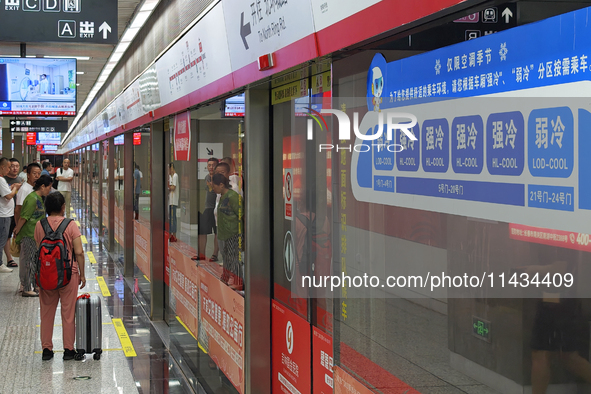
<point>88,21</point>
<point>49,126</point>
<point>259,28</point>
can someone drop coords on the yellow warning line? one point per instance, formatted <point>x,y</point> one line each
<point>201,347</point>
<point>77,223</point>
<point>61,351</point>
<point>186,328</point>
<point>147,279</point>
<point>124,338</point>
<point>73,215</point>
<point>103,286</point>
<point>83,238</point>
<point>91,257</point>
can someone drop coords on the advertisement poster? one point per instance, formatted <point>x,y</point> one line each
<point>323,362</point>
<point>119,231</point>
<point>222,318</point>
<point>480,149</point>
<point>198,59</point>
<point>205,151</point>
<point>291,351</point>
<point>185,283</point>
<point>182,136</point>
<point>95,201</point>
<point>142,247</point>
<point>105,212</point>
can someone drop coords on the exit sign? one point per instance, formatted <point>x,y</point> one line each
<point>481,329</point>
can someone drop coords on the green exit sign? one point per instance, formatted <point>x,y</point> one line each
<point>481,328</point>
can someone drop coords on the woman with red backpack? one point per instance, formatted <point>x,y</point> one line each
<point>55,205</point>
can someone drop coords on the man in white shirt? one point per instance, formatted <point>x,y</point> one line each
<point>33,173</point>
<point>64,176</point>
<point>6,207</point>
<point>173,199</point>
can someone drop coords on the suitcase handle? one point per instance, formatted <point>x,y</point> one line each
<point>85,295</point>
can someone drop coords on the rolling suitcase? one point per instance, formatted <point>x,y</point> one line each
<point>89,326</point>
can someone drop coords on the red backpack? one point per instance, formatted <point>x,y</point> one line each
<point>54,267</point>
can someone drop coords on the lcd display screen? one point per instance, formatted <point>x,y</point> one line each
<point>37,86</point>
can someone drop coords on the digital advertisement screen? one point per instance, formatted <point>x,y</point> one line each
<point>37,86</point>
<point>234,107</point>
<point>49,138</point>
<point>119,140</point>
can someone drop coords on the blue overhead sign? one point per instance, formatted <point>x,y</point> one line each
<point>498,121</point>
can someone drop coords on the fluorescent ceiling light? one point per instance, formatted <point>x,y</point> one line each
<point>80,72</point>
<point>69,57</point>
<point>134,27</point>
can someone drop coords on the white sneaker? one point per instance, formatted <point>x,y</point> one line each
<point>4,269</point>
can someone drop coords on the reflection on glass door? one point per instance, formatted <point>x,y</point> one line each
<point>141,212</point>
<point>118,179</point>
<point>105,196</point>
<point>204,245</point>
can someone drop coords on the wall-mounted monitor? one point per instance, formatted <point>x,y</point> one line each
<point>233,107</point>
<point>49,138</point>
<point>119,140</point>
<point>37,86</point>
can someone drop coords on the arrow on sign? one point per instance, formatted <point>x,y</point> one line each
<point>244,30</point>
<point>105,29</point>
<point>507,14</point>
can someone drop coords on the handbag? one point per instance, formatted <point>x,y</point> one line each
<point>15,249</point>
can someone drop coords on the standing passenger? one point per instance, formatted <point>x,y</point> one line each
<point>33,173</point>
<point>229,230</point>
<point>12,178</point>
<point>65,176</point>
<point>206,220</point>
<point>32,211</point>
<point>137,190</point>
<point>6,207</point>
<point>173,199</point>
<point>48,299</point>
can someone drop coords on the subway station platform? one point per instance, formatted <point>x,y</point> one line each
<point>134,359</point>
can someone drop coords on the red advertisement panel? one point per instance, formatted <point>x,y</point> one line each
<point>182,136</point>
<point>291,351</point>
<point>137,138</point>
<point>105,212</point>
<point>185,286</point>
<point>222,314</point>
<point>559,238</point>
<point>323,362</point>
<point>142,247</point>
<point>119,231</point>
<point>300,305</point>
<point>346,384</point>
<point>95,202</point>
<point>31,138</point>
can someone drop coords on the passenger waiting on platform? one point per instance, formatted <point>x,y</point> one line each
<point>65,176</point>
<point>12,178</point>
<point>47,168</point>
<point>32,211</point>
<point>206,219</point>
<point>173,199</point>
<point>6,208</point>
<point>229,231</point>
<point>23,174</point>
<point>233,176</point>
<point>67,295</point>
<point>33,173</point>
<point>137,190</point>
